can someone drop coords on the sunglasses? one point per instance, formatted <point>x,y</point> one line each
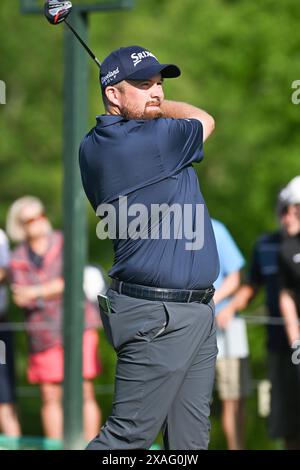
<point>33,219</point>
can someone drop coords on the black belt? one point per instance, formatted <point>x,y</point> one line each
<point>203,296</point>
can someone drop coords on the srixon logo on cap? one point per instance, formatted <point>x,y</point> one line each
<point>137,57</point>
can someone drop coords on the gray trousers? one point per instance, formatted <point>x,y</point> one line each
<point>164,374</point>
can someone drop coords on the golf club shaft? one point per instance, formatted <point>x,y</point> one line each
<point>83,43</point>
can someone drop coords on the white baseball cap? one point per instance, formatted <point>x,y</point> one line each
<point>291,193</point>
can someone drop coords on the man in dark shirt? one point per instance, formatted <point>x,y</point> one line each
<point>289,264</point>
<point>290,282</point>
<point>284,419</point>
<point>290,267</point>
<point>136,168</point>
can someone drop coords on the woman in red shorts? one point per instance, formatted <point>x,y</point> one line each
<point>36,270</point>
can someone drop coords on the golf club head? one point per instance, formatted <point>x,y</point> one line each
<point>57,11</point>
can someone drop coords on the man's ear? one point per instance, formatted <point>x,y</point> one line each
<point>113,95</point>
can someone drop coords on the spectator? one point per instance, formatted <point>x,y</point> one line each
<point>9,423</point>
<point>289,263</point>
<point>232,368</point>
<point>290,266</point>
<point>284,419</point>
<point>36,269</point>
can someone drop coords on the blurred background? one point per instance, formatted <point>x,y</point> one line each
<point>239,59</point>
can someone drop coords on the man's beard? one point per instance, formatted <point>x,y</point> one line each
<point>146,114</point>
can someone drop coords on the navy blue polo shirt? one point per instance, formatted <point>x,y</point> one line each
<point>150,162</point>
<point>264,271</point>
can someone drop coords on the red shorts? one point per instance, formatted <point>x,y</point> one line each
<point>48,366</point>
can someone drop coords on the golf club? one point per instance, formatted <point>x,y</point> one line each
<point>56,12</point>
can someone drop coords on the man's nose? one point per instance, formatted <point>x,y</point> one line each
<point>157,92</point>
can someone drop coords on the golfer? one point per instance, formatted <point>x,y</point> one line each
<point>158,313</point>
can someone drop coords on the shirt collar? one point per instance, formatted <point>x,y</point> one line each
<point>104,120</point>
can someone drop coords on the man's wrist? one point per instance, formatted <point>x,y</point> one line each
<point>39,292</point>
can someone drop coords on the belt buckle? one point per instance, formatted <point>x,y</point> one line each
<point>208,295</point>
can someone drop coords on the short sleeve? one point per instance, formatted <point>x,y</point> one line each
<point>88,177</point>
<point>255,275</point>
<point>180,142</point>
<point>231,259</point>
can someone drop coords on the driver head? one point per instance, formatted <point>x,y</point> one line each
<point>57,11</point>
